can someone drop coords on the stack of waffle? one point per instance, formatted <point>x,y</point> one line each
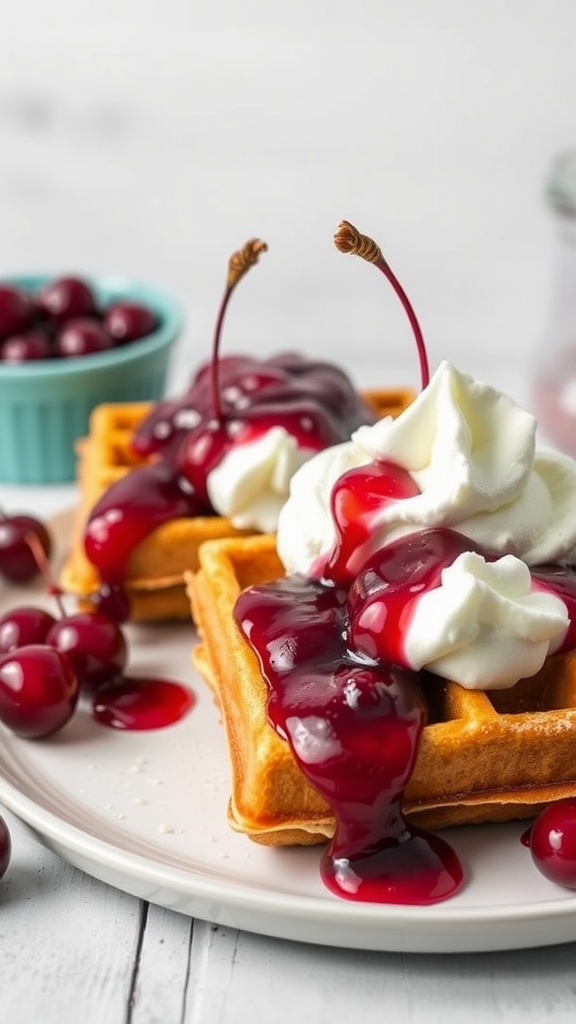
<point>482,756</point>
<point>154,580</point>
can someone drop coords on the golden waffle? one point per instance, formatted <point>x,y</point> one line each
<point>155,579</point>
<point>482,757</point>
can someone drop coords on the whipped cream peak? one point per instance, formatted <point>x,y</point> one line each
<point>445,439</point>
<point>486,626</point>
<point>251,482</point>
<point>471,452</point>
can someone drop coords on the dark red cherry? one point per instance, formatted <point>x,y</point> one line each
<point>26,347</point>
<point>112,600</point>
<point>5,847</point>
<point>17,560</point>
<point>95,646</point>
<point>66,297</point>
<point>553,842</point>
<point>22,626</point>
<point>82,337</point>
<point>16,311</point>
<point>38,691</point>
<point>128,321</point>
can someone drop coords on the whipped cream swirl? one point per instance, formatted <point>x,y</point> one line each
<point>471,451</point>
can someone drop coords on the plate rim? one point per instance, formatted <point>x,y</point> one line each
<point>304,917</point>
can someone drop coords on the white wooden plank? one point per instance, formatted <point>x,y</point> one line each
<point>161,978</point>
<point>67,942</point>
<point>234,973</point>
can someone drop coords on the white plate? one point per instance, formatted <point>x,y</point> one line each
<point>146,812</point>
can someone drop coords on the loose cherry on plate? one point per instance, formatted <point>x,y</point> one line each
<point>92,641</point>
<point>38,691</point>
<point>22,626</point>
<point>94,644</point>
<point>5,847</point>
<point>552,842</point>
<point>17,561</point>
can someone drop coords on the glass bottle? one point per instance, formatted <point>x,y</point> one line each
<point>554,396</point>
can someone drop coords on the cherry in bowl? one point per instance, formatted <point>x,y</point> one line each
<point>45,404</point>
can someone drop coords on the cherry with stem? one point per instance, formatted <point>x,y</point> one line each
<point>349,240</point>
<point>238,265</point>
<point>93,642</point>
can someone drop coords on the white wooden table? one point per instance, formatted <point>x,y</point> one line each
<point>154,146</point>
<point>73,949</point>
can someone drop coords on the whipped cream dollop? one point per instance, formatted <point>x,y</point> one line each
<point>486,626</point>
<point>251,483</point>
<point>471,452</point>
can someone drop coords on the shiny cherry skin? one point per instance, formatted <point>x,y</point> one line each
<point>65,298</point>
<point>553,842</point>
<point>128,321</point>
<point>5,847</point>
<point>112,600</point>
<point>38,691</point>
<point>82,336</point>
<point>95,646</point>
<point>16,311</point>
<point>23,626</point>
<point>26,347</point>
<point>17,561</point>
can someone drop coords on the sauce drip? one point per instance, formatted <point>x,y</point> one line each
<point>136,704</point>
<point>330,649</point>
<point>313,401</point>
<point>353,728</point>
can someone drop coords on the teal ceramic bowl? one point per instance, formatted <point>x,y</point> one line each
<point>45,405</point>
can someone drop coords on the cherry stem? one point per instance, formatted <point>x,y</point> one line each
<point>238,265</point>
<point>44,567</point>
<point>349,239</point>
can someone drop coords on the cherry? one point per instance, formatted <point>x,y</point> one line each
<point>128,321</point>
<point>5,847</point>
<point>25,347</point>
<point>16,311</point>
<point>38,690</point>
<point>553,842</point>
<point>112,600</point>
<point>23,626</point>
<point>82,336</point>
<point>66,297</point>
<point>18,563</point>
<point>94,644</point>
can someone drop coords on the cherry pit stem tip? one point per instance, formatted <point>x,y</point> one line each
<point>238,265</point>
<point>349,239</point>
<point>44,569</point>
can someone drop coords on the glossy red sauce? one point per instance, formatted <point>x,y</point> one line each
<point>313,401</point>
<point>330,650</point>
<point>140,704</point>
<point>353,728</point>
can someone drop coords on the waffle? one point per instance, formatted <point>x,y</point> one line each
<point>482,757</point>
<point>155,579</point>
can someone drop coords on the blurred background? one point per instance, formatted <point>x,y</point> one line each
<point>153,137</point>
